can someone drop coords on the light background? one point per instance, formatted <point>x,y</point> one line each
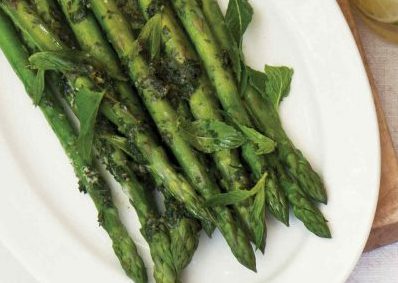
<point>381,265</point>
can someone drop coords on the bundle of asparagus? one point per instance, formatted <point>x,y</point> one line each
<point>165,101</point>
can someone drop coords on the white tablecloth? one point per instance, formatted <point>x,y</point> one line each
<point>381,265</point>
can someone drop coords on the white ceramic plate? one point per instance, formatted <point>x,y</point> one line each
<point>51,228</point>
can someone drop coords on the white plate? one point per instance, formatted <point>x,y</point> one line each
<point>51,228</point>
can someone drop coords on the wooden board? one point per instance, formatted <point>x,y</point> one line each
<point>385,225</point>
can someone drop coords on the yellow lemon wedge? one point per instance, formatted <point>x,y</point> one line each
<point>385,11</point>
<point>387,31</point>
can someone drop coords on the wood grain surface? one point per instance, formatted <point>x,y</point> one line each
<point>385,225</point>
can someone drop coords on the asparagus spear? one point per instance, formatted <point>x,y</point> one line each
<point>267,119</point>
<point>302,207</point>
<point>122,39</point>
<point>297,164</point>
<point>222,79</point>
<point>204,106</point>
<point>99,192</point>
<point>49,12</point>
<point>152,227</point>
<point>153,230</point>
<point>225,85</point>
<point>173,243</point>
<point>26,19</point>
<point>181,230</point>
<point>91,39</point>
<point>134,129</point>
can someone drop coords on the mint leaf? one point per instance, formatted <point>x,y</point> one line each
<point>124,145</point>
<point>71,61</point>
<point>257,215</point>
<point>239,15</point>
<point>38,86</point>
<point>261,143</point>
<point>257,80</point>
<point>211,135</point>
<point>87,102</point>
<point>151,36</point>
<point>237,196</point>
<point>61,61</point>
<point>118,142</point>
<point>156,37</point>
<point>278,79</point>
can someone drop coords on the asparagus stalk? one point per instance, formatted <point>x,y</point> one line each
<point>297,164</point>
<point>99,192</point>
<point>122,39</point>
<point>91,39</point>
<point>181,230</point>
<point>153,230</point>
<point>202,38</point>
<point>49,12</point>
<point>171,246</point>
<point>267,119</point>
<point>133,128</point>
<point>152,227</point>
<point>204,106</point>
<point>303,209</point>
<point>225,85</point>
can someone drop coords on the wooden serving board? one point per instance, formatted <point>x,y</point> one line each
<point>385,225</point>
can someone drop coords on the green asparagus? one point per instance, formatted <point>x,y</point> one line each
<point>108,217</point>
<point>181,228</point>
<point>50,13</point>
<point>204,106</point>
<point>116,112</point>
<point>227,92</point>
<point>122,39</point>
<point>91,39</point>
<point>152,228</point>
<point>266,118</point>
<point>302,207</point>
<point>298,166</point>
<point>165,101</point>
